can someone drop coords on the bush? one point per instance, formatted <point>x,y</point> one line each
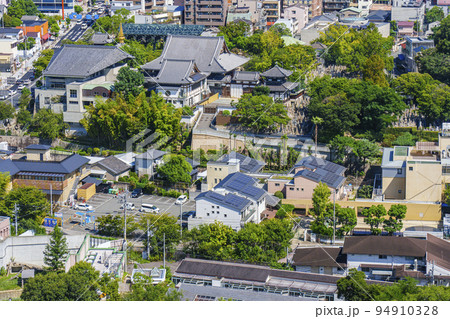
<point>279,194</point>
<point>104,153</point>
<point>96,150</point>
<point>406,139</point>
<point>89,151</point>
<point>8,133</point>
<point>365,191</point>
<point>226,112</point>
<point>2,132</point>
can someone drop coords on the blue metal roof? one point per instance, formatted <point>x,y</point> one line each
<point>38,147</point>
<point>229,200</point>
<point>242,184</point>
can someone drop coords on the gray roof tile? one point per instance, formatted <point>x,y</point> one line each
<point>151,154</point>
<point>178,72</point>
<point>114,165</point>
<point>84,60</point>
<point>229,200</point>
<point>277,72</point>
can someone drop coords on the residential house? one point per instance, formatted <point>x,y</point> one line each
<point>315,7</point>
<point>146,163</point>
<point>255,9</point>
<point>413,46</point>
<point>297,12</point>
<point>351,15</point>
<point>9,55</point>
<point>157,275</point>
<point>235,201</point>
<point>210,13</point>
<point>379,16</point>
<point>306,175</point>
<point>113,168</point>
<point>320,260</point>
<point>40,26</point>
<point>272,9</point>
<point>438,260</point>
<point>405,28</point>
<point>128,158</point>
<point>243,278</point>
<point>76,76</point>
<point>131,5</point>
<point>406,10</point>
<point>190,67</point>
<point>365,6</point>
<point>5,227</point>
<point>276,79</point>
<point>57,175</point>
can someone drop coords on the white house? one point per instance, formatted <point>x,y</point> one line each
<point>147,162</point>
<point>235,201</point>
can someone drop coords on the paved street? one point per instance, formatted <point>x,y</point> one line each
<point>109,204</point>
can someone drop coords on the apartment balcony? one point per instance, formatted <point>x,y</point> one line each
<point>209,9</point>
<point>247,217</point>
<point>212,15</point>
<point>209,3</point>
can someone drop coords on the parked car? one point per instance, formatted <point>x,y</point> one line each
<point>149,208</point>
<point>181,200</point>
<point>84,207</point>
<point>79,21</point>
<point>4,94</point>
<point>21,86</point>
<point>27,82</point>
<point>84,26</point>
<point>137,193</point>
<point>130,206</point>
<point>12,92</point>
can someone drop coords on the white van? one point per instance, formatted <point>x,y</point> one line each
<point>149,208</point>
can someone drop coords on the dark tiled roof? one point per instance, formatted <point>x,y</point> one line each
<point>438,250</point>
<point>10,30</point>
<point>193,163</point>
<point>38,147</point>
<point>246,164</point>
<point>91,180</point>
<point>67,166</point>
<point>84,60</point>
<point>320,256</point>
<point>385,245</point>
<point>178,72</point>
<point>246,76</point>
<point>229,200</point>
<point>113,165</point>
<point>99,38</point>
<point>243,185</point>
<point>277,72</point>
<point>209,53</point>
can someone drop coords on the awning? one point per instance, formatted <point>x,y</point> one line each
<point>79,16</point>
<point>40,174</point>
<point>382,272</point>
<point>96,17</point>
<point>46,36</point>
<point>97,172</point>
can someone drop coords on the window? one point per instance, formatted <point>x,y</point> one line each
<point>291,188</point>
<point>410,168</point>
<point>382,257</point>
<point>302,189</point>
<point>47,100</point>
<point>220,168</point>
<point>225,215</point>
<point>215,180</point>
<point>277,184</point>
<point>399,191</point>
<point>399,170</point>
<point>212,206</point>
<point>297,188</point>
<point>207,214</point>
<point>73,93</point>
<point>212,212</point>
<point>215,168</point>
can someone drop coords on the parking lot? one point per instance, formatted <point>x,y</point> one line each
<point>110,204</point>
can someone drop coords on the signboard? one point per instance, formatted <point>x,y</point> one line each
<point>50,222</point>
<point>60,215</point>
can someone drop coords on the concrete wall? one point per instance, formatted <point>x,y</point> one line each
<point>394,187</point>
<point>10,294</point>
<point>30,249</point>
<point>275,185</point>
<point>209,142</point>
<point>354,261</point>
<point>204,208</point>
<point>423,181</point>
<point>218,171</point>
<point>415,211</point>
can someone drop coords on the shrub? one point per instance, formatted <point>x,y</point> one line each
<point>365,191</point>
<point>279,194</point>
<point>96,150</point>
<point>104,153</point>
<point>226,112</point>
<point>89,150</point>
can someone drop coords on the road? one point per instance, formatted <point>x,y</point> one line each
<point>105,204</point>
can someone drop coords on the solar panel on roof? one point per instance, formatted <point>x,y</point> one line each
<point>215,196</point>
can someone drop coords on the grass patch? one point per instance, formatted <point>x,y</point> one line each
<point>9,283</point>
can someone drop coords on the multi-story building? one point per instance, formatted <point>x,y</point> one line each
<point>413,46</point>
<point>272,9</point>
<point>54,6</point>
<point>417,173</point>
<point>298,13</point>
<point>76,75</point>
<point>9,59</point>
<point>315,7</point>
<point>210,13</point>
<point>57,175</point>
<point>335,5</point>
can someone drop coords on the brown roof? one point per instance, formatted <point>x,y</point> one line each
<point>86,186</point>
<point>320,256</point>
<point>438,250</point>
<point>384,245</point>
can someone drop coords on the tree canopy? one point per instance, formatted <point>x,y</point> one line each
<point>175,169</point>
<point>56,251</point>
<point>129,82</point>
<point>434,14</point>
<point>48,124</point>
<point>6,110</point>
<point>260,113</point>
<point>41,63</point>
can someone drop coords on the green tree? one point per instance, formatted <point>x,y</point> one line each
<point>260,90</point>
<point>365,191</point>
<point>405,139</point>
<point>374,217</point>
<point>11,21</point>
<point>45,287</point>
<point>56,251</point>
<point>23,116</point>
<point>211,241</point>
<point>280,29</point>
<point>109,225</point>
<point>434,14</point>
<point>175,169</point>
<point>441,36</point>
<point>48,124</point>
<point>78,9</point>
<point>235,34</point>
<point>28,44</point>
<point>6,111</point>
<point>345,220</point>
<point>353,287</point>
<point>435,63</point>
<point>161,226</point>
<point>18,8</point>
<point>260,113</point>
<point>129,82</point>
<point>142,54</point>
<point>316,121</point>
<point>396,215</point>
<point>322,211</point>
<point>5,179</point>
<point>41,63</point>
<point>144,290</point>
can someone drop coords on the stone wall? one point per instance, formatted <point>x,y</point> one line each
<point>10,294</point>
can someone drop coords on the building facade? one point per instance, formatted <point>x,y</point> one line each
<point>210,13</point>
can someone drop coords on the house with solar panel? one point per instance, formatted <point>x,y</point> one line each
<point>57,175</point>
<point>306,175</point>
<point>191,67</point>
<point>235,201</point>
<point>76,76</point>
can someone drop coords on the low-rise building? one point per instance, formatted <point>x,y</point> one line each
<point>76,76</point>
<point>320,260</point>
<point>306,175</point>
<point>57,175</point>
<point>406,10</point>
<point>405,28</point>
<point>276,79</point>
<point>113,168</point>
<point>146,163</point>
<point>316,26</point>
<point>5,227</point>
<point>413,46</point>
<point>9,55</point>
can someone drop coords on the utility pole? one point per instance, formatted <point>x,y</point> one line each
<point>15,213</point>
<point>164,250</point>
<point>334,216</point>
<point>51,201</point>
<point>181,220</point>
<point>148,239</point>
